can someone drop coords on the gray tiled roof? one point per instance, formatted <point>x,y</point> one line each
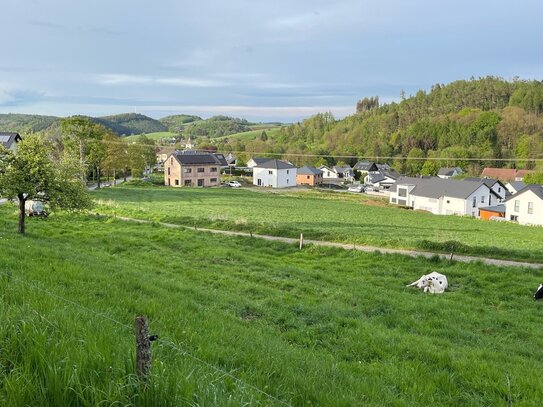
<point>8,138</point>
<point>437,187</point>
<point>261,160</point>
<point>195,158</point>
<point>344,168</point>
<point>306,170</point>
<point>366,166</point>
<point>449,171</point>
<point>517,185</point>
<point>536,189</point>
<point>275,164</point>
<point>497,208</point>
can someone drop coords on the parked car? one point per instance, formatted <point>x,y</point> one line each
<point>234,184</point>
<point>357,188</point>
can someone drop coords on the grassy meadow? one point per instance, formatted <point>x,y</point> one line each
<point>252,134</point>
<point>336,217</point>
<point>153,136</point>
<point>312,327</point>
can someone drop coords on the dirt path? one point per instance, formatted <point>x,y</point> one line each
<point>368,249</point>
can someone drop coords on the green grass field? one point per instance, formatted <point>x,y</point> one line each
<point>313,327</point>
<point>326,216</point>
<point>252,134</point>
<point>153,136</point>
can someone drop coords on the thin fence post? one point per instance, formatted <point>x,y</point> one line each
<point>143,349</point>
<point>301,240</point>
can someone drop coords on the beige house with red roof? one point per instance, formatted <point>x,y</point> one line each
<point>505,174</point>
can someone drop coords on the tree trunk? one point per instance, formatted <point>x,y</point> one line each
<point>114,177</point>
<point>98,177</point>
<point>81,162</point>
<point>124,173</point>
<point>22,214</point>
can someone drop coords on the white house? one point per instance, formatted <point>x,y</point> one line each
<point>526,206</point>
<point>254,161</point>
<point>443,196</point>
<point>381,179</point>
<point>514,186</point>
<point>9,140</point>
<point>447,173</point>
<point>275,174</point>
<point>496,185</point>
<point>337,172</point>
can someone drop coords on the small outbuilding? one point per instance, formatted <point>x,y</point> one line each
<point>309,176</point>
<point>489,212</point>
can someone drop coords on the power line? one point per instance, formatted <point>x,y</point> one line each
<point>166,341</point>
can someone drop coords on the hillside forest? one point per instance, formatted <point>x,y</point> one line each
<point>468,123</point>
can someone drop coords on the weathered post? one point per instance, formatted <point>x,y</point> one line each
<point>301,240</point>
<point>143,349</point>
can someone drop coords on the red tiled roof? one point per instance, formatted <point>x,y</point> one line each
<point>505,174</point>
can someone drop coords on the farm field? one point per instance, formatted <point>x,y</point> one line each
<point>324,216</point>
<point>252,134</point>
<point>153,136</point>
<point>313,327</point>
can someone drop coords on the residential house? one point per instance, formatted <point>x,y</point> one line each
<point>526,206</point>
<point>505,174</point>
<point>254,161</point>
<point>230,160</point>
<point>381,179</point>
<point>274,173</point>
<point>9,140</point>
<point>491,212</point>
<point>443,196</point>
<point>448,172</point>
<point>364,166</point>
<point>193,168</point>
<point>338,172</point>
<point>496,185</point>
<point>308,176</point>
<point>514,186</point>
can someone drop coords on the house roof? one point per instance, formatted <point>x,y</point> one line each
<point>435,187</point>
<point>449,171</point>
<point>275,164</point>
<point>497,208</point>
<point>306,170</point>
<point>505,174</point>
<point>8,138</point>
<point>517,185</point>
<point>195,158</point>
<point>536,189</point>
<point>342,168</point>
<point>366,166</point>
<point>487,181</point>
<point>260,160</point>
<point>383,175</point>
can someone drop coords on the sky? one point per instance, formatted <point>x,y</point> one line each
<point>279,60</point>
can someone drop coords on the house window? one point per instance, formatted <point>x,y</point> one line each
<point>213,180</point>
<point>213,169</point>
<point>171,160</point>
<point>402,202</point>
<point>176,182</point>
<point>287,180</point>
<point>402,192</point>
<point>200,182</point>
<point>201,169</point>
<point>514,218</point>
<point>517,205</point>
<point>188,183</point>
<point>168,170</point>
<point>393,200</point>
<point>474,201</point>
<point>482,199</point>
<point>308,177</point>
<point>530,207</point>
<point>287,171</point>
<point>187,170</point>
<point>270,172</point>
<point>169,182</point>
<point>499,189</point>
<point>448,201</point>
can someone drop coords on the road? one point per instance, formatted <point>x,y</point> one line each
<point>368,249</point>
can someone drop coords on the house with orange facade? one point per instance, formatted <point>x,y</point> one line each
<point>193,169</point>
<point>309,176</point>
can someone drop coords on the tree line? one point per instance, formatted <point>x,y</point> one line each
<point>489,119</point>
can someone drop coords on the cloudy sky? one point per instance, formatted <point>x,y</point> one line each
<point>259,59</point>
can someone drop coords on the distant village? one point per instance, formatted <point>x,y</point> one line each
<point>499,194</point>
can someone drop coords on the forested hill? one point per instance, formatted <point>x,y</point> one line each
<point>130,123</point>
<point>122,124</point>
<point>487,117</point>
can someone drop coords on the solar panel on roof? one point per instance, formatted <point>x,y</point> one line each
<point>4,139</point>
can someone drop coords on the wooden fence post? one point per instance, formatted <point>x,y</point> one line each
<point>301,240</point>
<point>143,349</point>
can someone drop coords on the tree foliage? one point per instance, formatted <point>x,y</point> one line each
<point>31,174</point>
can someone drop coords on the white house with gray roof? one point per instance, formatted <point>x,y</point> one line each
<point>275,174</point>
<point>526,206</point>
<point>443,196</point>
<point>9,140</point>
<point>448,172</point>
